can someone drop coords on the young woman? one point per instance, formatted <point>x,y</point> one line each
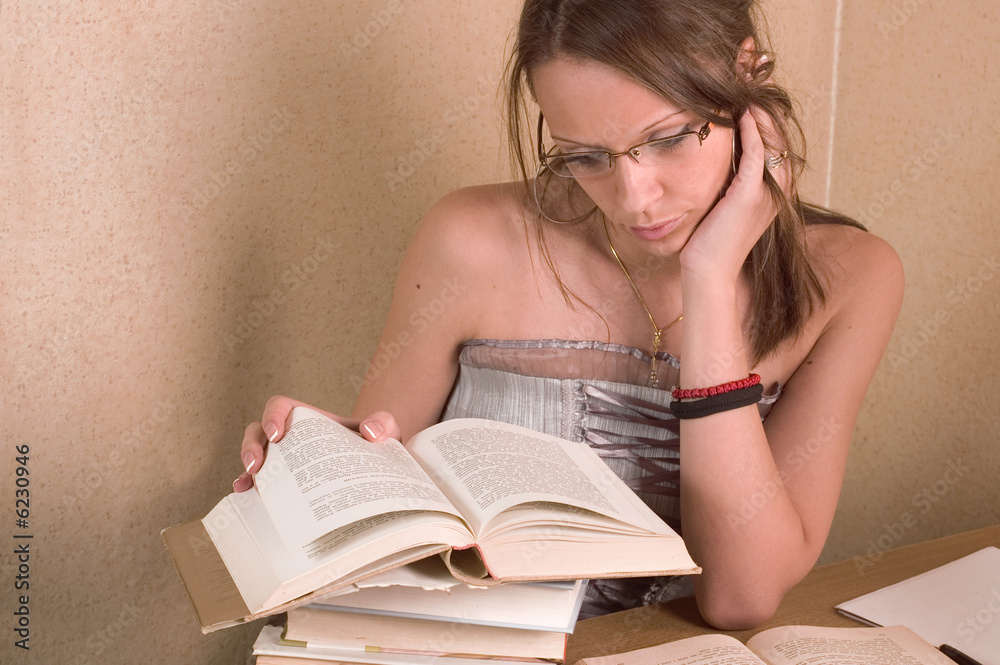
<point>660,243</point>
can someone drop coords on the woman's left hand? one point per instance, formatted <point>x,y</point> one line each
<point>721,243</point>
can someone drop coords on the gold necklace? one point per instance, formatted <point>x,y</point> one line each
<point>657,330</point>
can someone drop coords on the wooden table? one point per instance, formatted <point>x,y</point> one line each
<point>811,602</point>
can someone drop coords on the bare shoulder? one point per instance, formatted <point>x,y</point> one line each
<point>451,271</point>
<point>468,250</point>
<point>475,231</point>
<point>856,267</point>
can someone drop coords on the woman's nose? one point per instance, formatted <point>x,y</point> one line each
<point>637,184</point>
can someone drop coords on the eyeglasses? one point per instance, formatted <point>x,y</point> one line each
<point>587,164</point>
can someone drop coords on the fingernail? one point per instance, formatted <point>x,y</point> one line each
<point>234,484</point>
<point>249,461</point>
<point>271,430</point>
<point>374,428</point>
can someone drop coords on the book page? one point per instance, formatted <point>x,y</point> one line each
<point>700,650</point>
<point>487,467</point>
<point>247,540</point>
<point>956,604</point>
<point>812,645</point>
<point>547,513</point>
<point>322,476</point>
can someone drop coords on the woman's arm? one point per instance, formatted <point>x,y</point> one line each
<point>758,499</point>
<point>437,304</point>
<point>449,276</point>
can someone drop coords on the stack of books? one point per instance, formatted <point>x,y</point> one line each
<point>494,505</point>
<point>418,613</point>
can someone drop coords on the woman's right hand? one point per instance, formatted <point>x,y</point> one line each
<point>379,426</point>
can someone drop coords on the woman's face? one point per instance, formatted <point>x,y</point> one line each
<point>652,209</point>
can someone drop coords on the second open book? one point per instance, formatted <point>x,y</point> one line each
<point>500,504</point>
<point>789,645</point>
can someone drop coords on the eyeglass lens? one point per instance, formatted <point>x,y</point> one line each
<point>658,152</point>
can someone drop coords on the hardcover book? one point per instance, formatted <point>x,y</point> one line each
<point>499,503</point>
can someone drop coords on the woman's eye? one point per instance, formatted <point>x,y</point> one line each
<point>582,161</point>
<point>671,143</point>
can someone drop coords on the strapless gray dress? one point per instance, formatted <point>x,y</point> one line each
<point>597,393</point>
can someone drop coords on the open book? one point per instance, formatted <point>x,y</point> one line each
<point>790,645</point>
<point>500,503</point>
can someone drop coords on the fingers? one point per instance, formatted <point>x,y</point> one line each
<point>752,158</point>
<point>276,410</point>
<point>270,429</point>
<point>252,454</point>
<point>276,413</point>
<point>243,483</point>
<point>379,426</point>
<point>773,147</point>
<point>750,188</point>
<point>750,171</point>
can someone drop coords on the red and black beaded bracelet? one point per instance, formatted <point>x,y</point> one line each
<point>717,403</point>
<point>689,393</point>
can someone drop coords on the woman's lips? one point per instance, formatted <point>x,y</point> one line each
<point>655,232</point>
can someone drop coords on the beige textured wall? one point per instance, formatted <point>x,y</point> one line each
<point>803,39</point>
<point>205,204</point>
<point>916,156</point>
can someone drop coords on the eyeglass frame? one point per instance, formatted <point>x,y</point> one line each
<point>701,134</point>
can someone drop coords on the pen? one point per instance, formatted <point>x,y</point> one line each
<point>957,655</point>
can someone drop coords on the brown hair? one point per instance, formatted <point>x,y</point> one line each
<point>689,52</point>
